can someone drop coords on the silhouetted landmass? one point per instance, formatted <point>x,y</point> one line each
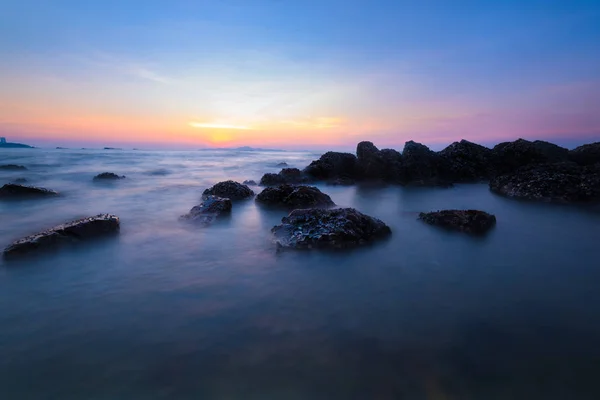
<point>7,145</point>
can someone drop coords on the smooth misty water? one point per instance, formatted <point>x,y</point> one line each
<point>169,310</point>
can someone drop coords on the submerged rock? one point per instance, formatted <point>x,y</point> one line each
<point>466,162</point>
<point>229,189</point>
<point>294,197</point>
<point>332,165</point>
<point>70,232</point>
<point>588,154</point>
<point>563,182</point>
<point>319,228</point>
<point>13,167</point>
<point>285,176</point>
<point>108,176</point>
<point>210,209</point>
<point>14,191</point>
<point>282,165</point>
<point>469,221</point>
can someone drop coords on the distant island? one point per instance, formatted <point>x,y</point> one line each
<point>7,145</point>
<point>243,148</point>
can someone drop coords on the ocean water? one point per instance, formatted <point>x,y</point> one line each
<point>170,310</point>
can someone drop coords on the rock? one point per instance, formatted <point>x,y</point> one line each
<point>466,162</point>
<point>229,189</point>
<point>285,176</point>
<point>282,165</point>
<point>469,221</point>
<point>342,181</point>
<point>12,167</point>
<point>319,228</point>
<point>249,183</point>
<point>70,232</point>
<point>10,191</point>
<point>20,180</point>
<point>588,154</point>
<point>562,182</point>
<point>332,165</point>
<point>510,156</point>
<point>107,176</point>
<point>421,166</point>
<point>370,164</point>
<point>294,197</point>
<point>393,165</point>
<point>210,209</point>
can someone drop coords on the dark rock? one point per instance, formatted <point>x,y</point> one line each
<point>210,209</point>
<point>510,156</point>
<point>12,167</point>
<point>469,221</point>
<point>229,189</point>
<point>319,228</point>
<point>562,182</point>
<point>370,164</point>
<point>420,165</point>
<point>249,183</point>
<point>11,190</point>
<point>285,176</point>
<point>466,162</point>
<point>332,165</point>
<point>282,165</point>
<point>342,181</point>
<point>70,232</point>
<point>108,176</point>
<point>588,154</point>
<point>294,197</point>
<point>393,165</point>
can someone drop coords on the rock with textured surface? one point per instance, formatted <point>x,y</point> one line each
<point>71,232</point>
<point>334,228</point>
<point>209,210</point>
<point>370,164</point>
<point>108,176</point>
<point>249,183</point>
<point>510,156</point>
<point>588,154</point>
<point>466,162</point>
<point>420,165</point>
<point>12,167</point>
<point>285,176</point>
<point>469,221</point>
<point>294,197</point>
<point>14,191</point>
<point>229,189</point>
<point>332,165</point>
<point>562,182</point>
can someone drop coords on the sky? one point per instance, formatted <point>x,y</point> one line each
<point>298,74</point>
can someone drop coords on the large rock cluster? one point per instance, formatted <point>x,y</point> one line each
<point>294,197</point>
<point>285,176</point>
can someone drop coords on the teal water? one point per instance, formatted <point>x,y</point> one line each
<point>169,310</point>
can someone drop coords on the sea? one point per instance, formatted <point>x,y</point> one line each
<point>172,310</point>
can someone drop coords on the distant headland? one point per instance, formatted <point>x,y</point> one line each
<point>7,145</point>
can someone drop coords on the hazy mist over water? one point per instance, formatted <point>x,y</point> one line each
<point>171,310</point>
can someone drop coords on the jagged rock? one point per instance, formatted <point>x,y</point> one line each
<point>108,176</point>
<point>510,156</point>
<point>562,182</point>
<point>421,166</point>
<point>392,160</point>
<point>12,167</point>
<point>229,189</point>
<point>332,165</point>
<point>285,176</point>
<point>249,183</point>
<point>370,164</point>
<point>319,228</point>
<point>70,232</point>
<point>11,190</point>
<point>588,154</point>
<point>469,221</point>
<point>294,197</point>
<point>210,209</point>
<point>466,162</point>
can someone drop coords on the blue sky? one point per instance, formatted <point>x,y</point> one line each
<point>299,73</point>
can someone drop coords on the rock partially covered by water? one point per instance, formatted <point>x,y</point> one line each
<point>294,197</point>
<point>469,221</point>
<point>12,167</point>
<point>588,154</point>
<point>466,162</point>
<point>14,191</point>
<point>282,165</point>
<point>510,156</point>
<point>71,232</point>
<point>249,182</point>
<point>209,210</point>
<point>108,176</point>
<point>332,165</point>
<point>319,228</point>
<point>229,189</point>
<point>370,163</point>
<point>285,176</point>
<point>562,182</point>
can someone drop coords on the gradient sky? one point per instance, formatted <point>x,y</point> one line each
<point>298,73</point>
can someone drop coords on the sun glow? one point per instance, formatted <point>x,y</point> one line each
<point>218,126</point>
